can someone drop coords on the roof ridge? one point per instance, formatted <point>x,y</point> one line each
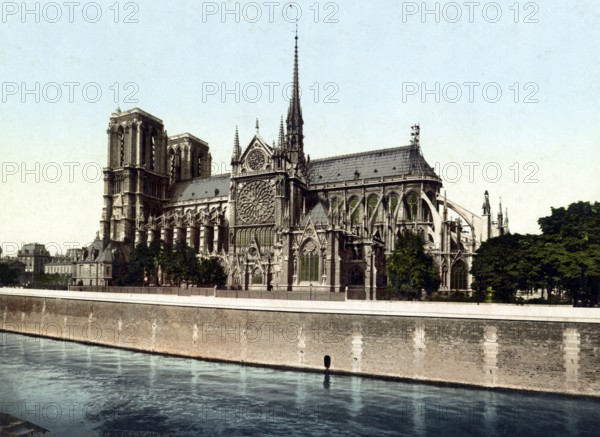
<point>222,175</point>
<point>347,155</point>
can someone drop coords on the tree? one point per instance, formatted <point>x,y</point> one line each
<point>178,263</point>
<point>498,265</point>
<point>580,220</point>
<point>410,269</point>
<point>574,236</point>
<point>210,272</point>
<point>7,276</point>
<point>142,265</point>
<point>566,257</point>
<point>181,263</point>
<point>53,278</point>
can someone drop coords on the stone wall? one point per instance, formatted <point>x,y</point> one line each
<point>199,291</point>
<point>551,356</point>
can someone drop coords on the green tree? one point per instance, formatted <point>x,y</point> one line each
<point>499,265</point>
<point>142,265</point>
<point>181,263</point>
<point>573,236</point>
<point>565,258</point>
<point>410,269</point>
<point>209,273</point>
<point>53,278</point>
<point>7,276</point>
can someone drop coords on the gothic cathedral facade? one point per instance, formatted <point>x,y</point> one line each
<point>279,220</point>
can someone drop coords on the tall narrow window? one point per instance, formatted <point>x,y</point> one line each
<point>354,211</point>
<point>257,277</point>
<point>309,263</point>
<point>393,203</point>
<point>445,276</point>
<point>333,207</point>
<point>411,207</point>
<point>152,151</point>
<point>143,146</point>
<point>121,148</point>
<point>458,280</point>
<point>372,206</point>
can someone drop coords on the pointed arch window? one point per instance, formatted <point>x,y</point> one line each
<point>144,145</point>
<point>257,277</point>
<point>372,206</point>
<point>121,147</point>
<point>152,150</point>
<point>458,280</point>
<point>445,276</point>
<point>309,263</point>
<point>355,210</point>
<point>393,203</point>
<point>411,207</point>
<point>334,207</point>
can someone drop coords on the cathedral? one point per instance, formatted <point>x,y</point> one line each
<point>279,220</point>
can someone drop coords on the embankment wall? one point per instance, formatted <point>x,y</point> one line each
<point>526,348</point>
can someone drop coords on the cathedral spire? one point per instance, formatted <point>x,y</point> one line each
<point>295,137</point>
<point>500,217</point>
<point>281,143</point>
<point>237,150</point>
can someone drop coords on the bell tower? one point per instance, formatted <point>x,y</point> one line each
<point>135,179</point>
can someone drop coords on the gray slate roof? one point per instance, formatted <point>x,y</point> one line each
<point>317,215</point>
<point>204,188</point>
<point>104,254</point>
<point>397,161</point>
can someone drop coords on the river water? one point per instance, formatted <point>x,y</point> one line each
<point>75,389</point>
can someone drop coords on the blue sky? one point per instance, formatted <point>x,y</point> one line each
<point>370,63</point>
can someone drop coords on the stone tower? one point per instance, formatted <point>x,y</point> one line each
<point>136,177</point>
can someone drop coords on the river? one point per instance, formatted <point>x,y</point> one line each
<point>73,389</point>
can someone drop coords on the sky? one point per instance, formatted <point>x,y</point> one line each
<point>506,94</point>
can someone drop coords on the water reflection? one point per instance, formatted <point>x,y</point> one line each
<point>69,388</point>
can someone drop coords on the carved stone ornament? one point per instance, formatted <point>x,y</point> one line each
<point>256,202</point>
<point>256,160</point>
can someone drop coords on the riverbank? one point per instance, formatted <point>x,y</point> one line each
<point>538,348</point>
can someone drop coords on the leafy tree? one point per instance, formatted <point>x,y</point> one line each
<point>499,266</point>
<point>566,257</point>
<point>410,269</point>
<point>7,276</point>
<point>181,263</point>
<point>210,272</point>
<point>579,220</point>
<point>142,265</point>
<point>178,264</point>
<point>53,278</point>
<point>574,233</point>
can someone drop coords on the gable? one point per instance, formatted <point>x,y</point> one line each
<point>257,156</point>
